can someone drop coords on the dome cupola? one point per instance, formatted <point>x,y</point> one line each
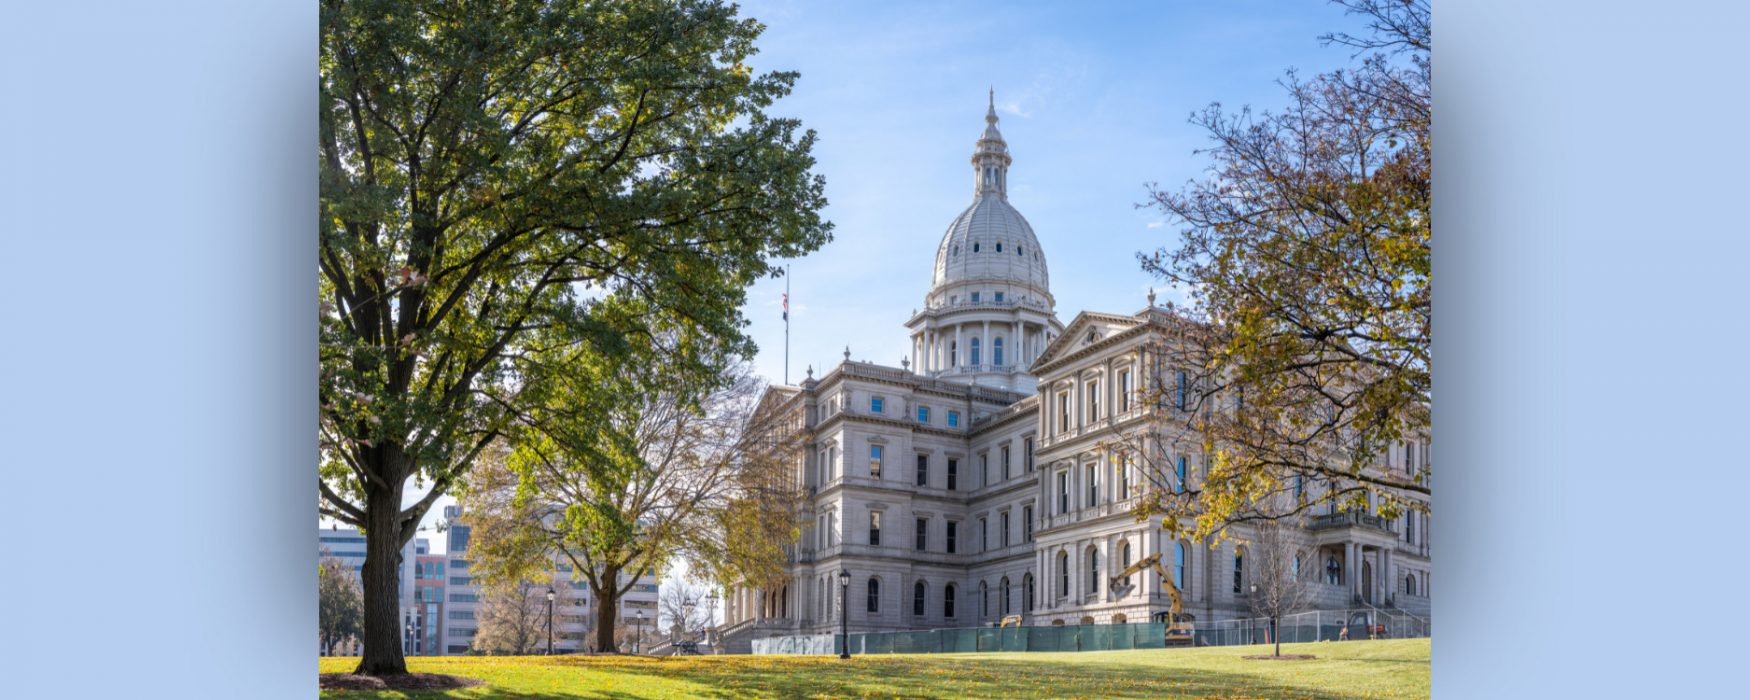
<point>989,310</point>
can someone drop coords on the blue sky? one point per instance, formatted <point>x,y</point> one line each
<point>1094,100</point>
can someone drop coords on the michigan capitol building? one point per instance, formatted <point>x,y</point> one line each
<point>970,483</point>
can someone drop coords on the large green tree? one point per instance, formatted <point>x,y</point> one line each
<point>1306,256</point>
<point>494,168</point>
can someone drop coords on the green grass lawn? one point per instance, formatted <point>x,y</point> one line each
<point>1344,670</point>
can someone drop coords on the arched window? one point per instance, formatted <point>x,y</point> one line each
<point>1239,569</point>
<point>1062,574</point>
<point>1021,251</point>
<point>1093,571</point>
<point>1179,476</point>
<point>1027,592</point>
<point>974,360</point>
<point>917,599</point>
<point>948,602</point>
<point>1003,590</point>
<point>1294,571</point>
<point>999,246</point>
<point>1333,571</point>
<point>874,595</point>
<point>1410,584</point>
<point>1179,566</point>
<point>956,249</point>
<point>983,599</point>
<point>975,246</point>
<point>996,351</point>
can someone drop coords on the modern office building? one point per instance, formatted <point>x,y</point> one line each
<point>348,545</point>
<point>574,609</point>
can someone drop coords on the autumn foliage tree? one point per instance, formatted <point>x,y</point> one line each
<point>622,467</point>
<point>493,168</point>
<point>1305,352</point>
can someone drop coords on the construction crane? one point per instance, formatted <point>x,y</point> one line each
<point>1179,624</point>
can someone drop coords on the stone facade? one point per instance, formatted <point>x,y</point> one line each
<point>962,488</point>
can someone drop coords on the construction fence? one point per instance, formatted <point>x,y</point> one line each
<point>1301,627</point>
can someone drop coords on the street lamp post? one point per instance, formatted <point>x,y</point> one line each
<point>638,636</point>
<point>844,617</point>
<point>407,642</point>
<point>711,611</point>
<point>550,596</point>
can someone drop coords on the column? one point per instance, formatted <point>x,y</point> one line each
<point>929,349</point>
<point>1352,562</point>
<point>1391,579</point>
<point>985,345</point>
<point>916,340</point>
<point>1017,346</point>
<point>954,354</point>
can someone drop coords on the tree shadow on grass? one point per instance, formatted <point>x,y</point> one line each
<point>940,676</point>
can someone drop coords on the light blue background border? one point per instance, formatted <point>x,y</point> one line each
<point>157,204</point>
<point>157,190</point>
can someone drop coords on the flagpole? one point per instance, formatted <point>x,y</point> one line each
<point>786,325</point>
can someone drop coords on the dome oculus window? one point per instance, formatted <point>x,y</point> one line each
<point>999,246</point>
<point>975,247</point>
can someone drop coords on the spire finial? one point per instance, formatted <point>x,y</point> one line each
<point>1151,297</point>
<point>847,353</point>
<point>990,116</point>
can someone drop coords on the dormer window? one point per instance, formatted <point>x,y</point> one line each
<point>975,247</point>
<point>999,246</point>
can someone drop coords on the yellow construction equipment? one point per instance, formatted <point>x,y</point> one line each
<point>1010,619</point>
<point>1179,625</point>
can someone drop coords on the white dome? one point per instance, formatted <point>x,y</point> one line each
<point>990,242</point>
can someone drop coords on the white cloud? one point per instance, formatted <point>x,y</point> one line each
<point>1156,224</point>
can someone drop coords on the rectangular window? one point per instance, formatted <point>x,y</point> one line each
<point>923,414</point>
<point>923,534</point>
<point>875,528</point>
<point>1093,485</point>
<point>984,468</point>
<point>999,295</point>
<point>1004,522</point>
<point>1124,390</point>
<point>1027,449</point>
<point>1005,462</point>
<point>875,461</point>
<point>1123,478</point>
<point>975,297</point>
<point>984,534</point>
<point>1179,476</point>
<point>1093,401</point>
<point>953,474</point>
<point>1063,412</point>
<point>1062,492</point>
<point>875,404</point>
<point>1179,380</point>
<point>953,419</point>
<point>952,528</point>
<point>1027,523</point>
<point>923,470</point>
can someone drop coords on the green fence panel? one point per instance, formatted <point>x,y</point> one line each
<point>1151,635</point>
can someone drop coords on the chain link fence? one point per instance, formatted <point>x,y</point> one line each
<point>1301,627</point>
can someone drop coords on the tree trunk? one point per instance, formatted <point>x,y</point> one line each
<point>607,604</point>
<point>382,583</point>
